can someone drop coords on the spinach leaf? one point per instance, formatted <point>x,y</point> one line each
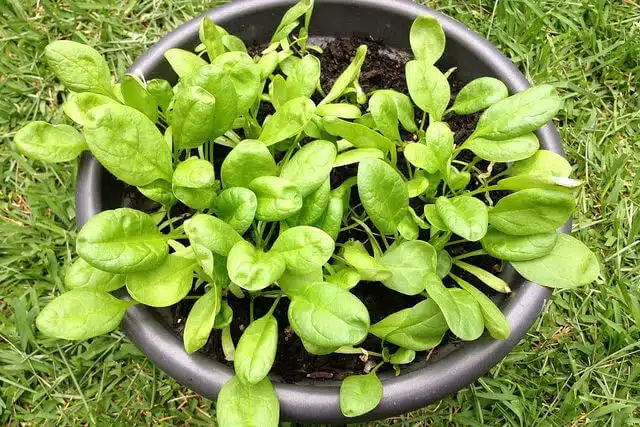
<point>444,263</point>
<point>212,233</point>
<point>487,278</point>
<point>343,110</point>
<point>161,91</point>
<point>81,314</point>
<point>403,356</point>
<point>427,39</point>
<point>310,166</point>
<point>457,320</point>
<point>194,183</point>
<point>479,94</point>
<point>328,316</point>
<point>164,285</point>
<point>251,268</point>
<point>434,218</point>
<point>159,191</point>
<point>384,113</point>
<point>201,319</point>
<point>569,264</point>
<point>79,104</point>
<point>495,322</point>
<point>350,74</point>
<point>464,215</point>
<point>211,38</point>
<point>256,350</point>
<point>224,316</point>
<point>79,67</point>
<point>360,394</point>
<point>428,88</point>
<point>508,150</point>
<point>417,185</point>
<point>121,241</point>
<point>418,328</point>
<point>420,156</point>
<point>292,283</point>
<point>247,161</point>
<point>190,105</point>
<point>331,219</point>
<point>49,143</point>
<point>291,16</point>
<point>237,207</point>
<point>472,323</point>
<point>81,274</point>
<point>404,109</point>
<point>346,278</point>
<point>278,198</point>
<point>304,248</point>
<point>287,121</point>
<point>128,144</point>
<point>278,91</point>
<point>408,228</point>
<point>357,134</point>
<point>519,114</point>
<point>522,182</point>
<point>518,248</point>
<point>532,211</point>
<point>303,79</point>
<point>409,262</point>
<point>313,205</point>
<point>267,64</point>
<point>135,95</point>
<point>433,153</point>
<point>383,194</point>
<point>183,62</point>
<point>244,74</point>
<point>241,404</point>
<point>543,162</point>
<point>368,267</point>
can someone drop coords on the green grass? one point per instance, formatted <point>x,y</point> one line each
<point>579,364</point>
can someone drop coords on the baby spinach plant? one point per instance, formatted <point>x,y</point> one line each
<point>269,223</point>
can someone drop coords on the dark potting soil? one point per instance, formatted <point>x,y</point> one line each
<point>383,68</point>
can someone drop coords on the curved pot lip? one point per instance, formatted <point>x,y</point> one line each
<point>319,403</point>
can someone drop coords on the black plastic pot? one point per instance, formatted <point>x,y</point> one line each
<point>455,366</point>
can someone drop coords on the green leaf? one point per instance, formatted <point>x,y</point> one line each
<point>79,67</point>
<point>444,263</point>
<point>81,314</point>
<point>408,228</point>
<point>426,38</point>
<point>214,80</point>
<point>128,144</point>
<point>278,91</point>
<point>331,219</point>
<point>194,183</point>
<point>487,278</point>
<point>466,216</point>
<point>420,156</point>
<point>256,350</point>
<point>159,191</point>
<point>121,241</point>
<point>532,211</point>
<point>350,74</point>
<point>81,274</point>
<point>347,278</point>
<point>247,161</point>
<point>278,198</point>
<point>409,262</point>
<point>508,150</point>
<point>244,74</point>
<point>456,179</point>
<point>357,134</point>
<point>519,114</point>
<point>247,405</point>
<point>417,185</point>
<point>304,248</point>
<point>237,207</point>
<point>164,285</point>
<point>135,95</point>
<point>292,283</point>
<point>356,155</point>
<point>161,91</point>
<point>434,151</point>
<point>251,268</point>
<point>212,233</point>
<point>403,356</point>
<point>570,264</point>
<point>518,248</point>
<point>368,267</point>
<point>49,143</point>
<point>267,64</point>
<point>224,316</point>
<point>384,113</point>
<point>316,316</point>
<point>303,79</point>
<point>183,62</point>
<point>495,322</point>
<point>360,394</point>
<point>522,182</point>
<point>404,109</point>
<point>543,162</point>
<point>479,94</point>
<point>233,43</point>
<point>310,166</point>
<point>418,219</point>
<point>472,322</point>
<point>418,328</point>
<point>428,88</point>
<point>79,104</point>
<point>190,105</point>
<point>211,38</point>
<point>343,110</point>
<point>288,121</point>
<point>201,319</point>
<point>291,16</point>
<point>313,206</point>
<point>434,218</point>
<point>383,194</point>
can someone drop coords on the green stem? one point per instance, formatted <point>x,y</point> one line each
<point>274,305</point>
<point>484,190</point>
<point>373,371</point>
<point>423,121</point>
<point>251,309</point>
<point>470,254</point>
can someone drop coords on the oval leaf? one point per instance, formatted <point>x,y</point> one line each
<point>49,143</point>
<point>479,94</point>
<point>164,285</point>
<point>247,405</point>
<point>278,198</point>
<point>310,166</point>
<point>201,319</point>
<point>288,121</point>
<point>508,150</point>
<point>409,262</point>
<point>83,275</point>
<point>518,248</point>
<point>237,207</point>
<point>256,350</point>
<point>466,216</point>
<point>427,39</point>
<point>428,88</point>
<point>190,123</point>
<point>252,269</point>
<point>304,248</point>
<point>360,394</point>
<point>543,162</point>
<point>247,161</point>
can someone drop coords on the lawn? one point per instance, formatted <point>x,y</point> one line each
<point>580,362</point>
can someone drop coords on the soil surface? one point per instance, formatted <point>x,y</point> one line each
<point>383,68</point>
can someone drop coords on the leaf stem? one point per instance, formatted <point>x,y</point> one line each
<point>470,254</point>
<point>274,305</point>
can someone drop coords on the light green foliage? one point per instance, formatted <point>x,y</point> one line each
<point>359,394</point>
<point>201,319</point>
<point>49,143</point>
<point>251,268</point>
<point>247,161</point>
<point>163,285</point>
<point>193,183</point>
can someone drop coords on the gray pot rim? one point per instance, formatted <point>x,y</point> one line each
<point>319,402</point>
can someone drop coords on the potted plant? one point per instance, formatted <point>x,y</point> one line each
<point>292,215</point>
